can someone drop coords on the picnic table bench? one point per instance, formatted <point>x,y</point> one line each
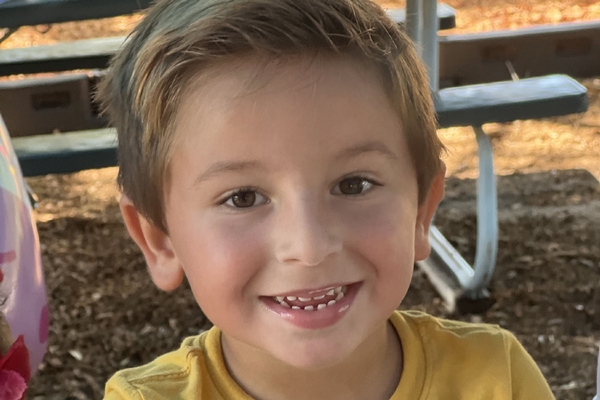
<point>462,287</point>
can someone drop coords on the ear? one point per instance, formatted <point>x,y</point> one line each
<point>425,214</point>
<point>163,264</point>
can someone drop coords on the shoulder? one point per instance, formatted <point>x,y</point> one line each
<point>458,330</point>
<point>443,338</point>
<point>483,357</point>
<point>167,376</point>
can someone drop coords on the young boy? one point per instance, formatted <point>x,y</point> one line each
<point>282,156</point>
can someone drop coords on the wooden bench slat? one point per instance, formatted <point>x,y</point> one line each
<point>571,48</point>
<point>64,56</point>
<point>531,98</point>
<point>16,13</point>
<point>66,152</point>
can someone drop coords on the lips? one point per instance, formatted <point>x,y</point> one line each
<point>319,309</point>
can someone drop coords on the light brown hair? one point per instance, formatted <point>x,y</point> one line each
<point>178,39</point>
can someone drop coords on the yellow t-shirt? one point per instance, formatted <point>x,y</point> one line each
<point>443,359</point>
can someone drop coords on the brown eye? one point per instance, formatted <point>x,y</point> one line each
<point>245,199</point>
<point>354,185</point>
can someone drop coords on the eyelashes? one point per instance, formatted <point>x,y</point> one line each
<point>249,197</point>
<point>244,198</point>
<point>355,185</point>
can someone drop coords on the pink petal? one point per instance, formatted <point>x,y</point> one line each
<point>17,359</point>
<point>12,385</point>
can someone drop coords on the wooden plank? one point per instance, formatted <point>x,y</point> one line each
<point>66,152</point>
<point>64,56</point>
<point>532,98</point>
<point>16,13</point>
<point>571,48</point>
<point>36,106</point>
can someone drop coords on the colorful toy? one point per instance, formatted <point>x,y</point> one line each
<point>23,301</point>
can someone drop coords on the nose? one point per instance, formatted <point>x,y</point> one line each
<point>306,233</point>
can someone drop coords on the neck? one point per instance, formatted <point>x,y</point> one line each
<point>372,371</point>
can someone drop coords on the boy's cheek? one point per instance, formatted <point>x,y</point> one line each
<point>384,240</point>
<point>222,257</point>
<point>386,223</point>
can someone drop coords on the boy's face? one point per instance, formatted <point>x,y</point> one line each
<point>287,182</point>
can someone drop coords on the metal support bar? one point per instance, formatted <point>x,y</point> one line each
<point>448,271</point>
<point>422,26</point>
<point>447,254</point>
<point>487,218</point>
<point>414,22</point>
<point>430,43</point>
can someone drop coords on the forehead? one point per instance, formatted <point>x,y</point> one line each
<point>248,77</point>
<point>276,107</point>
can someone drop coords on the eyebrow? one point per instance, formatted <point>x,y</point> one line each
<point>227,166</point>
<point>245,165</point>
<point>373,146</point>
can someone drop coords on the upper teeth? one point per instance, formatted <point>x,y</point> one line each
<point>338,292</point>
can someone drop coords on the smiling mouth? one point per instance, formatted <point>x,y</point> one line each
<point>313,309</point>
<point>317,303</point>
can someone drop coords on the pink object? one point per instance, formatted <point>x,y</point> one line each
<point>12,385</point>
<point>16,359</point>
<point>22,290</point>
<point>7,257</point>
<point>44,324</point>
<point>14,371</point>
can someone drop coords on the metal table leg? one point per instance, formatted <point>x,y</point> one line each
<point>487,218</point>
<point>414,22</point>
<point>462,287</point>
<point>453,277</point>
